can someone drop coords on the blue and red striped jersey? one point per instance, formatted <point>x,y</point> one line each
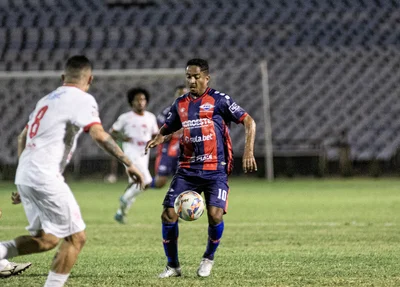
<point>170,147</point>
<point>205,144</point>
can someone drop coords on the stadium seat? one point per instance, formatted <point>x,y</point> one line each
<point>330,63</point>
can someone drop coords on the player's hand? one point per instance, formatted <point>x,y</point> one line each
<point>249,162</point>
<point>15,198</point>
<point>137,177</point>
<point>158,139</point>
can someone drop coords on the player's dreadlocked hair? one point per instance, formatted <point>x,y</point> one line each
<point>202,64</point>
<point>130,95</point>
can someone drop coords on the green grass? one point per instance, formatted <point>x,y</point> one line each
<point>287,233</point>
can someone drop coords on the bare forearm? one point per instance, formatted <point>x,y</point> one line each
<point>250,133</point>
<point>163,135</point>
<point>163,131</point>
<point>160,138</point>
<point>106,142</point>
<point>110,146</point>
<point>178,133</point>
<point>167,138</point>
<point>21,142</point>
<point>116,135</point>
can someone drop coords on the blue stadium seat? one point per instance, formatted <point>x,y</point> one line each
<point>331,64</point>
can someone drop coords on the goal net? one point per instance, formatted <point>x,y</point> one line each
<point>20,91</point>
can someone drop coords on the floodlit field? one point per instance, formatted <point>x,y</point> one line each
<point>288,233</point>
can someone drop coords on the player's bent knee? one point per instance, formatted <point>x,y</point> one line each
<point>169,215</point>
<point>215,215</point>
<point>77,239</point>
<point>48,241</point>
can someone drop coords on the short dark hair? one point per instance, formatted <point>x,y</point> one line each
<point>78,62</point>
<point>201,63</point>
<point>134,91</point>
<point>75,65</point>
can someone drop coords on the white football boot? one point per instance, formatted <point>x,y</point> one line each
<point>205,267</point>
<point>13,269</point>
<point>170,272</point>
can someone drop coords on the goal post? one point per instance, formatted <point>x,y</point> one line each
<point>268,155</point>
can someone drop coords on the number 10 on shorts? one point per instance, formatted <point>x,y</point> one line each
<point>222,194</point>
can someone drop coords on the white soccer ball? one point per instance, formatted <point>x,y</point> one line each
<point>189,205</point>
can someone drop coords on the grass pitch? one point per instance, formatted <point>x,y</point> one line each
<point>288,233</point>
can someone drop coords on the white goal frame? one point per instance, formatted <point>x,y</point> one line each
<point>268,156</point>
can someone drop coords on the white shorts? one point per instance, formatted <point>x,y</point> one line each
<point>145,171</point>
<point>52,208</point>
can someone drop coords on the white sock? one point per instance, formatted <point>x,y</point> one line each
<point>131,194</point>
<point>3,263</point>
<point>56,280</point>
<point>8,249</point>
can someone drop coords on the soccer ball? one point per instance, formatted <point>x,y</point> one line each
<point>189,205</point>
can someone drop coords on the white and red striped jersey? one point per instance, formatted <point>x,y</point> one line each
<point>53,129</point>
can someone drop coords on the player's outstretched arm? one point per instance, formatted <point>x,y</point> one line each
<point>15,197</point>
<point>249,162</point>
<point>158,139</point>
<point>22,141</point>
<point>106,142</point>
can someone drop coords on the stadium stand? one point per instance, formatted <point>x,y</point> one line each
<point>331,64</point>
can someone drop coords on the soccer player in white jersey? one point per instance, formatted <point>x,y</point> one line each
<point>45,147</point>
<point>134,129</point>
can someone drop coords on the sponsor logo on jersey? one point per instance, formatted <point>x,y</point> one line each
<point>207,106</point>
<point>55,95</point>
<point>196,123</point>
<point>234,107</point>
<point>202,157</point>
<point>199,139</point>
<point>30,145</point>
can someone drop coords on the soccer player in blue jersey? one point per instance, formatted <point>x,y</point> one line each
<point>205,159</point>
<point>167,153</point>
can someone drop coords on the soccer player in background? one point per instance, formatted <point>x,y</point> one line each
<point>134,129</point>
<point>167,153</point>
<point>45,147</point>
<point>205,160</point>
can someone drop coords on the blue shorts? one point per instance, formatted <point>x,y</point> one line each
<point>214,185</point>
<point>166,165</point>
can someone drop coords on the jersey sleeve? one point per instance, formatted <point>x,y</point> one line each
<point>87,113</point>
<point>154,129</point>
<point>119,124</point>
<point>173,121</point>
<point>230,110</point>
